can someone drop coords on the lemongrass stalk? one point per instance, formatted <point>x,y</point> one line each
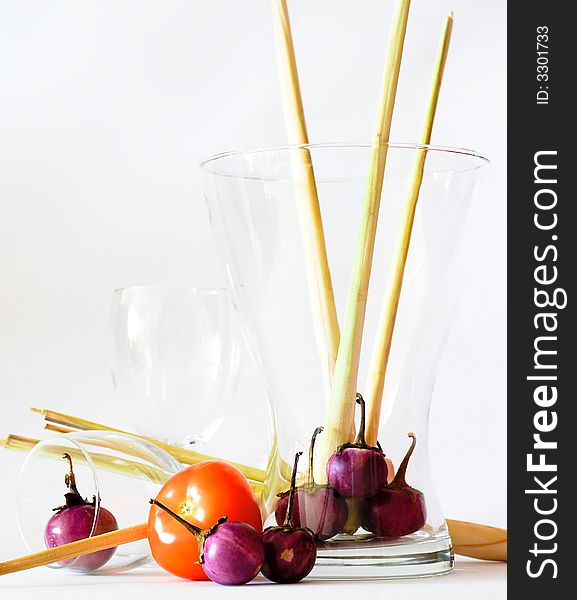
<point>183,455</point>
<point>58,428</point>
<point>75,549</point>
<point>107,462</point>
<point>114,464</point>
<point>340,411</point>
<point>257,486</point>
<point>382,346</point>
<point>478,541</point>
<point>108,443</point>
<point>317,266</point>
<point>105,442</point>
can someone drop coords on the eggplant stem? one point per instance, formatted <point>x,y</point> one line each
<point>72,495</point>
<point>400,476</point>
<point>288,521</point>
<point>310,474</point>
<point>70,478</point>
<point>196,531</point>
<point>360,439</point>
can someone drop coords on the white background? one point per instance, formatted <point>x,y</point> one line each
<point>107,107</point>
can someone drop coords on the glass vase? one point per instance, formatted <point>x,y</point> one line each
<point>255,206</point>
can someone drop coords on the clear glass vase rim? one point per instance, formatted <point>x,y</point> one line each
<point>473,154</point>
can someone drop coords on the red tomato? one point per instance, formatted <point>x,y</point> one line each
<point>201,494</point>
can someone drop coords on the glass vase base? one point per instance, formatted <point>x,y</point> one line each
<point>374,558</point>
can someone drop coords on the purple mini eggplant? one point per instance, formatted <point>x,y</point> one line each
<point>231,553</point>
<point>290,552</point>
<point>357,470</point>
<point>316,507</point>
<point>398,509</point>
<point>74,521</point>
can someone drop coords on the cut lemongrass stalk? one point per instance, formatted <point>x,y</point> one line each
<point>114,464</point>
<point>75,549</point>
<point>100,442</point>
<point>382,347</point>
<point>58,428</point>
<point>478,541</point>
<point>470,539</point>
<point>183,455</point>
<point>317,265</point>
<point>107,462</point>
<point>134,450</point>
<point>108,443</point>
<point>340,411</point>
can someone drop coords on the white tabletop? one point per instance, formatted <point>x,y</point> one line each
<point>470,579</point>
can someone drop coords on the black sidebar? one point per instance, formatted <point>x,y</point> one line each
<point>542,268</point>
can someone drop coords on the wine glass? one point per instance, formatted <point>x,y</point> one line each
<point>113,472</point>
<point>175,360</point>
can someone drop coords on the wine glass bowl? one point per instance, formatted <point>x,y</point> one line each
<point>175,360</point>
